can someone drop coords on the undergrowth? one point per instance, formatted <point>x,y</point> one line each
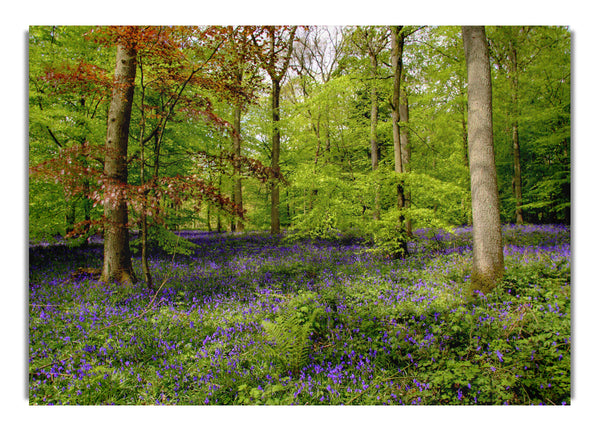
<point>252,320</point>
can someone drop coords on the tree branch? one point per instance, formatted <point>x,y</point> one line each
<point>54,137</point>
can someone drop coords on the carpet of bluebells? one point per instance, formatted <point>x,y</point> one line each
<point>378,331</point>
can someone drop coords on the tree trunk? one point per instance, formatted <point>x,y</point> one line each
<point>237,151</point>
<point>277,74</point>
<point>275,150</point>
<point>219,220</point>
<point>373,134</point>
<point>70,215</point>
<point>208,226</point>
<point>488,260</point>
<point>145,267</point>
<point>514,90</point>
<point>117,256</point>
<point>465,147</point>
<point>405,150</point>
<point>397,134</point>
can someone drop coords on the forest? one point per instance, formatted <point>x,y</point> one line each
<point>299,215</point>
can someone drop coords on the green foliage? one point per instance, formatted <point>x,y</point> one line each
<point>290,331</point>
<point>272,394</point>
<point>46,214</point>
<point>164,239</point>
<point>316,225</point>
<point>369,330</point>
<point>325,127</point>
<point>542,113</point>
<point>438,203</point>
<point>502,349</point>
<point>389,235</point>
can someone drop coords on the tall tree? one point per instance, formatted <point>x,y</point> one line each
<point>165,72</point>
<point>488,259</point>
<point>372,41</point>
<point>117,256</point>
<point>399,104</point>
<point>315,59</point>
<point>241,69</point>
<point>278,45</point>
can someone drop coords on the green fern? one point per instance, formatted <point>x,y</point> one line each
<point>290,331</point>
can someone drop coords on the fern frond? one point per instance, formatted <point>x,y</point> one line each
<point>290,336</point>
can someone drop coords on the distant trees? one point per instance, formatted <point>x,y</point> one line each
<point>213,105</point>
<point>531,112</point>
<point>488,259</point>
<point>371,42</point>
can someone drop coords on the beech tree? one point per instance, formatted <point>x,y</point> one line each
<point>67,113</point>
<point>199,108</point>
<point>241,58</point>
<point>315,59</point>
<point>117,256</point>
<point>399,104</point>
<point>278,46</point>
<point>166,74</point>
<point>488,259</point>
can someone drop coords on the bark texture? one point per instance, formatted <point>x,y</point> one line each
<point>117,256</point>
<point>400,136</point>
<point>488,259</point>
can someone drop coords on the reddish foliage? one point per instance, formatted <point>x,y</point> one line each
<point>83,78</point>
<point>249,166</point>
<point>78,170</point>
<point>77,167</point>
<point>171,58</point>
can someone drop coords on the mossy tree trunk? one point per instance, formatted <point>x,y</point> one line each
<point>400,135</point>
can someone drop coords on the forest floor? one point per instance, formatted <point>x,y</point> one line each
<point>254,319</point>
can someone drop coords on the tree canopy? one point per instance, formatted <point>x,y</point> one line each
<point>203,122</point>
